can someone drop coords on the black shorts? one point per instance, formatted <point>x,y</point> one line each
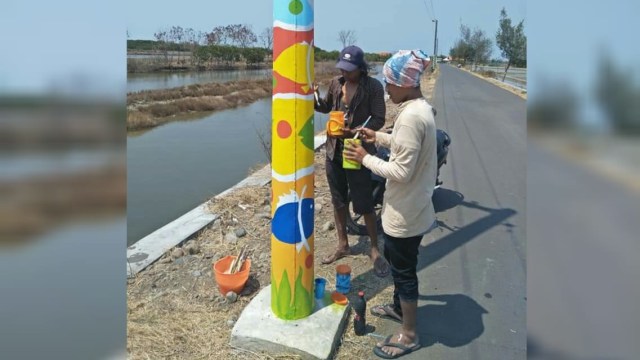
<point>402,255</point>
<point>342,182</point>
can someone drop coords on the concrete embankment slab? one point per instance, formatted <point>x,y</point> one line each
<point>150,248</point>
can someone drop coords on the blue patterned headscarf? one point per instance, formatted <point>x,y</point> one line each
<point>405,67</point>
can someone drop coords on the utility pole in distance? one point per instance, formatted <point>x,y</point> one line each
<point>435,46</point>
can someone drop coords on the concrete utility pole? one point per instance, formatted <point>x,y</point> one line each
<point>435,46</point>
<point>292,151</point>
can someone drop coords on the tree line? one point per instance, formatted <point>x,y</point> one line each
<point>561,107</point>
<point>475,46</point>
<point>225,45</point>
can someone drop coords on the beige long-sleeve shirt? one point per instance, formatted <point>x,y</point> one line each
<point>410,172</point>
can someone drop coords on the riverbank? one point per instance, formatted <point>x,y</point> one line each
<point>175,309</point>
<point>182,62</point>
<point>150,108</point>
<point>488,76</point>
<point>34,205</point>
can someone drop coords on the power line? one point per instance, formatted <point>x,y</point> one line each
<point>427,8</point>
<point>433,12</point>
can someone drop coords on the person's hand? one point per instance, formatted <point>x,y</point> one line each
<point>316,93</point>
<point>348,133</point>
<point>354,152</point>
<point>367,135</point>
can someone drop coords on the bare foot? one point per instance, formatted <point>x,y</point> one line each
<point>386,311</point>
<point>380,265</point>
<point>338,254</point>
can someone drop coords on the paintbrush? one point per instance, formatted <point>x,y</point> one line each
<point>363,125</point>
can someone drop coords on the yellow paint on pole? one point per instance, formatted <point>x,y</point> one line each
<point>292,205</point>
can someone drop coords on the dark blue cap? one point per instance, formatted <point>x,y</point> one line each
<point>351,58</point>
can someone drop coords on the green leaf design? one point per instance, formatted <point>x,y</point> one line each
<point>284,297</point>
<point>306,133</point>
<point>303,302</point>
<point>281,301</point>
<point>295,7</point>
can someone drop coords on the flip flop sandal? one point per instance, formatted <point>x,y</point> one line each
<point>386,309</point>
<point>385,342</point>
<point>405,350</point>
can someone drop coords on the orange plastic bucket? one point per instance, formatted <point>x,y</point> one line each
<point>335,124</point>
<point>231,282</point>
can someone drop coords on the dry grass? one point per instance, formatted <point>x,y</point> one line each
<point>488,74</point>
<point>32,206</point>
<point>522,94</point>
<point>197,90</point>
<point>151,108</point>
<point>173,314</point>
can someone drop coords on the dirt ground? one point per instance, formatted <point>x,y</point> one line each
<point>175,310</point>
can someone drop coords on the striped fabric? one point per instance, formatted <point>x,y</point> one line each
<point>405,67</point>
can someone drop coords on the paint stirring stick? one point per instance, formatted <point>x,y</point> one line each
<point>363,125</point>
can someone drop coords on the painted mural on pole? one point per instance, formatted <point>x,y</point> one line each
<point>292,204</point>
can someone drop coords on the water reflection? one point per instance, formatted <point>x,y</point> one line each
<point>65,288</point>
<point>177,166</point>
<point>153,81</point>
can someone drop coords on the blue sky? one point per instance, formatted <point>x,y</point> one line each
<point>380,25</point>
<point>47,42</point>
<point>44,42</point>
<point>50,41</point>
<point>567,41</point>
<point>567,38</point>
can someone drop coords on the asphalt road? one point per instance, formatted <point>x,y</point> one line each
<point>472,270</point>
<point>584,283</point>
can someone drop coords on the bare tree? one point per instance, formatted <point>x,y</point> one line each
<point>237,34</point>
<point>241,35</point>
<point>191,38</point>
<point>162,39</point>
<point>212,38</point>
<point>176,34</point>
<point>347,37</point>
<point>264,137</point>
<point>266,38</point>
<point>219,35</point>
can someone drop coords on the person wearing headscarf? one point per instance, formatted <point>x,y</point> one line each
<point>407,212</point>
<point>360,97</point>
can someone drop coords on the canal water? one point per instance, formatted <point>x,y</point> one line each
<point>175,167</point>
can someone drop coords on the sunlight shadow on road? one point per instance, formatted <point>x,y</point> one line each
<point>453,320</point>
<point>434,251</point>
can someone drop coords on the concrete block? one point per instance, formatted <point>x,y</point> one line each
<point>314,337</point>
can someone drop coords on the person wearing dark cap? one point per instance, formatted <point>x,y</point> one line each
<point>359,96</point>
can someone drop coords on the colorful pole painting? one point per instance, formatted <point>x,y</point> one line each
<point>292,160</point>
